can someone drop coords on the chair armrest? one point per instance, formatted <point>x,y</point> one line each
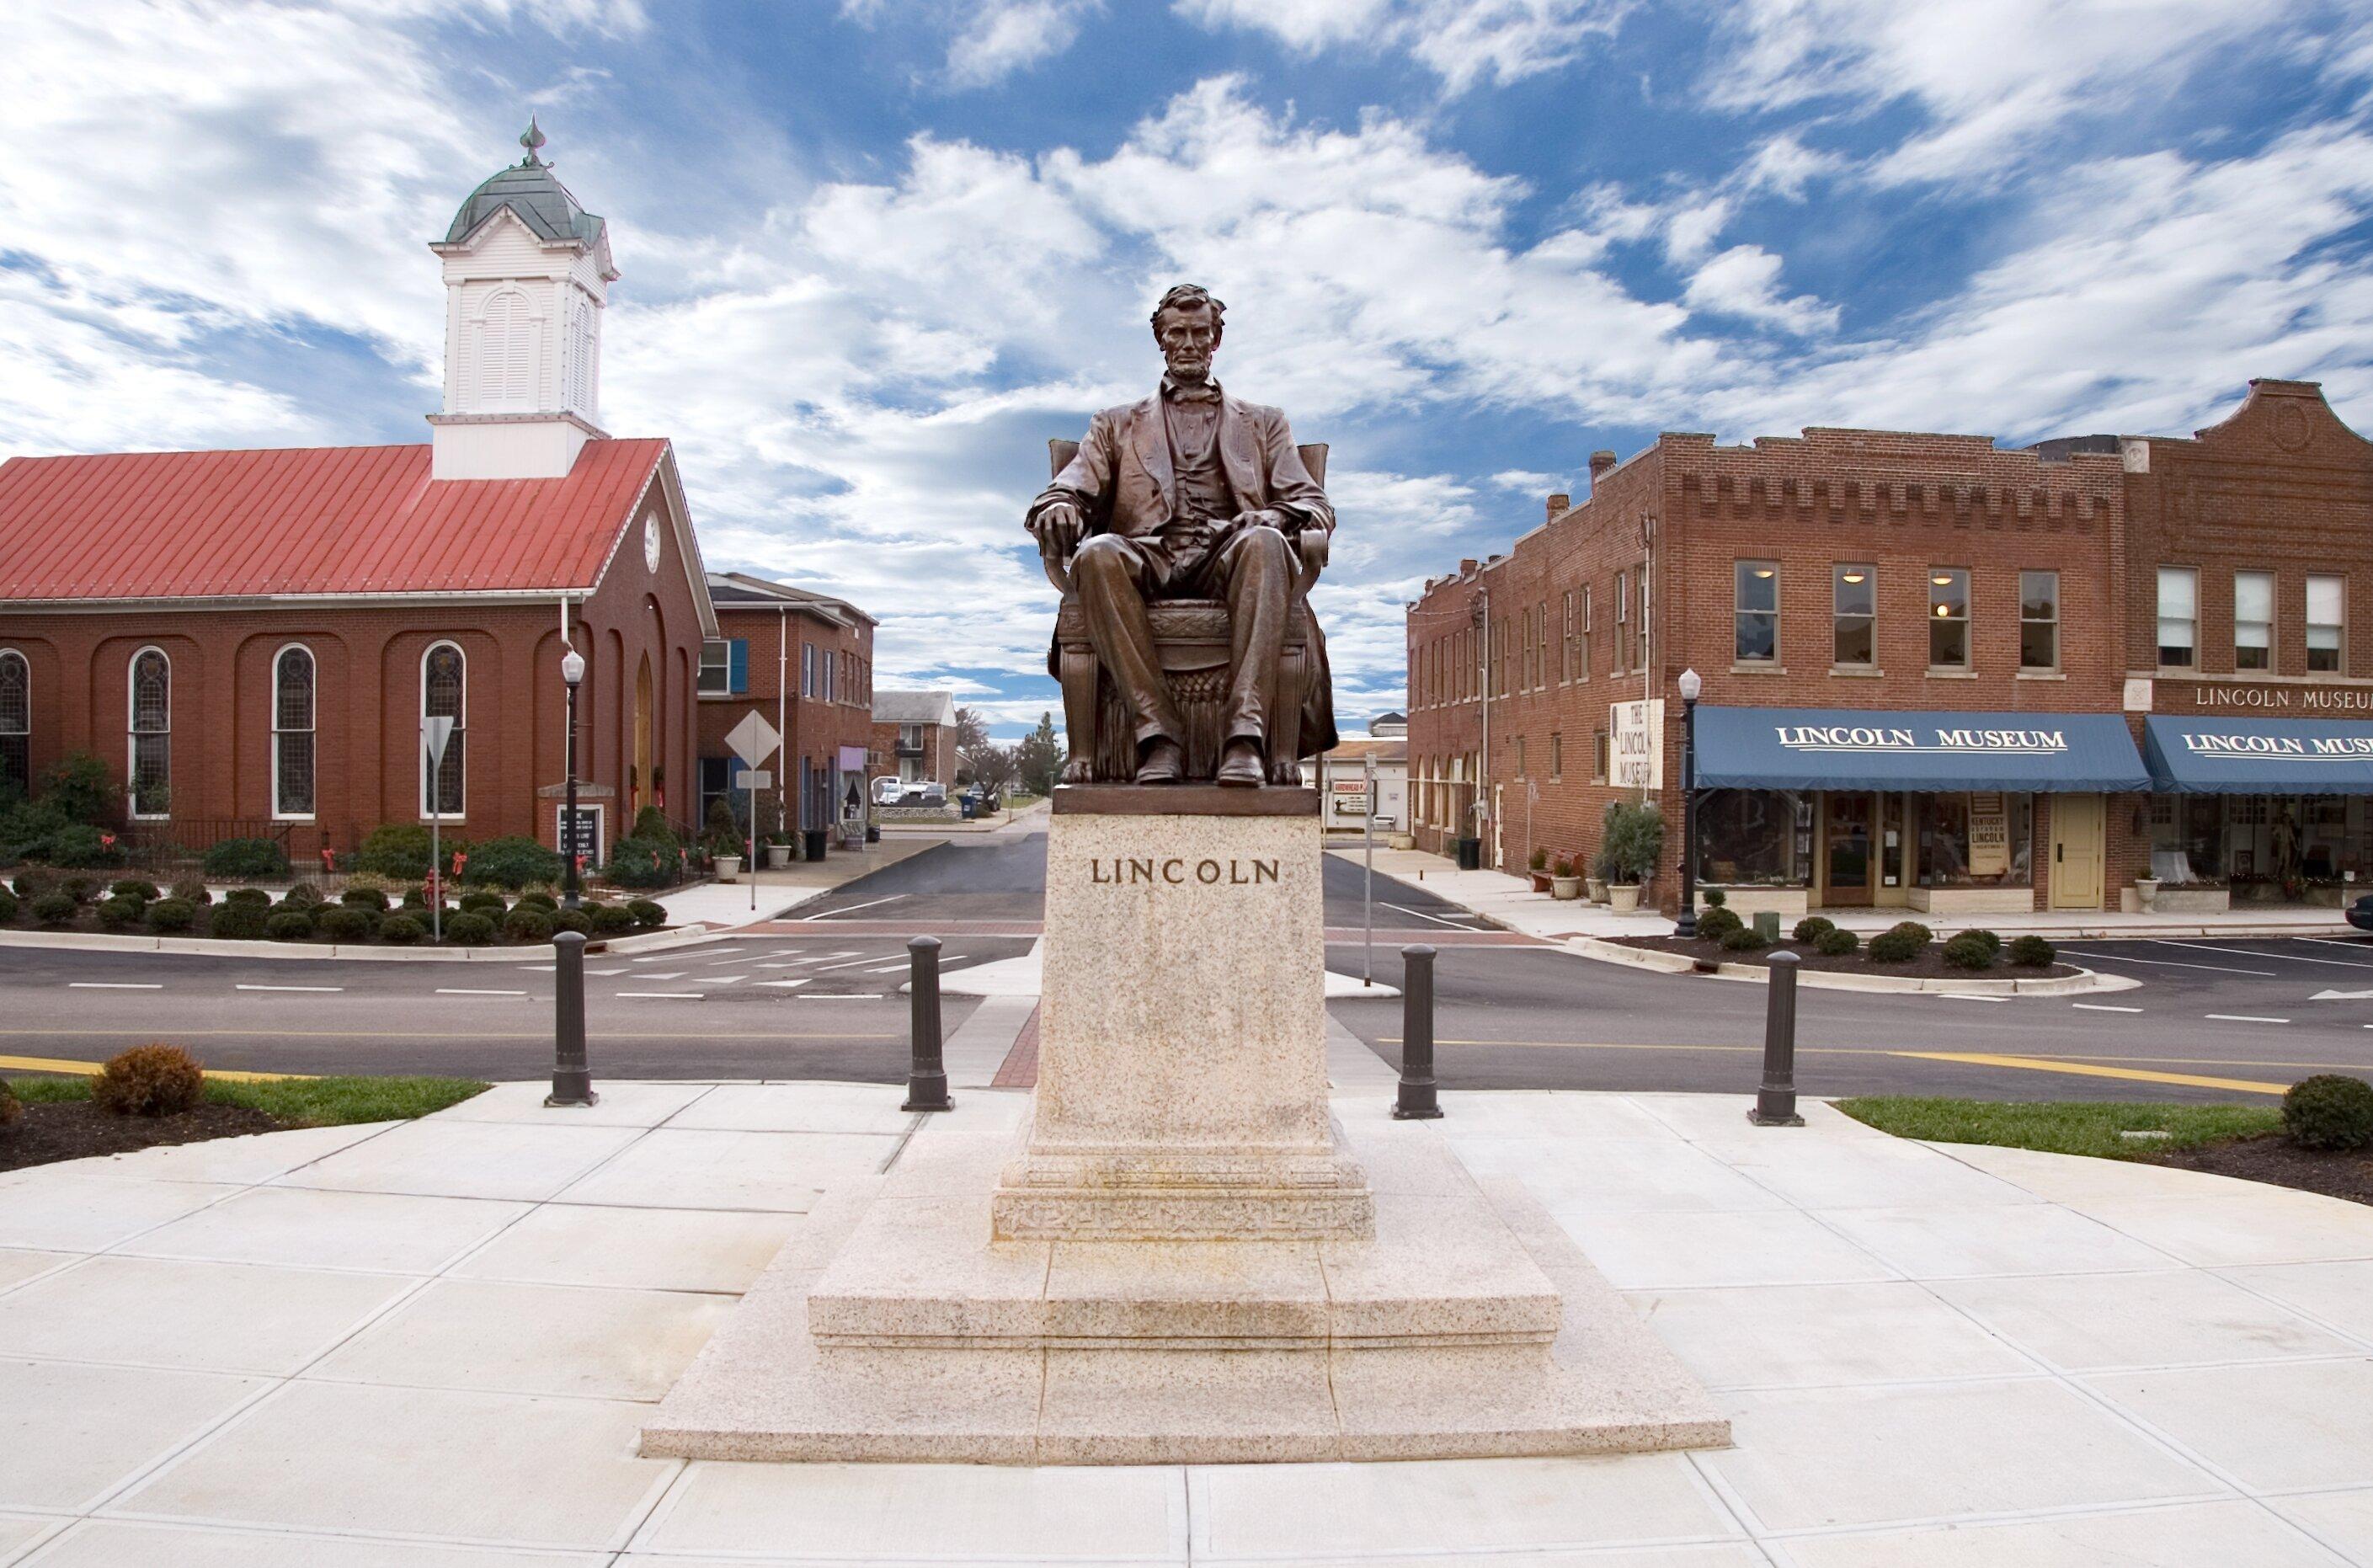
<point>1314,543</point>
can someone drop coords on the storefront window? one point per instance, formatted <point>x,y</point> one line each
<point>2187,839</point>
<point>1978,838</point>
<point>1755,837</point>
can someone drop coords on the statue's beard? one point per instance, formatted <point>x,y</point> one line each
<point>1194,367</point>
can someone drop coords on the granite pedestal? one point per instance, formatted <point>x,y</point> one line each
<point>1183,1255</point>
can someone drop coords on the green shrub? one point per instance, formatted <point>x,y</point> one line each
<point>1967,952</point>
<point>527,924</point>
<point>1743,938</point>
<point>363,899</point>
<point>1632,838</point>
<point>2329,1110</point>
<point>609,919</point>
<point>722,830</point>
<point>1716,924</point>
<point>2032,951</point>
<point>572,921</point>
<point>149,1081</point>
<point>81,889</point>
<point>644,862</point>
<point>544,901</point>
<point>346,922</point>
<point>1813,927</point>
<point>117,912</point>
<point>469,930</point>
<point>402,929</point>
<point>34,880</point>
<point>238,920</point>
<point>289,925</point>
<point>307,893</point>
<point>1836,943</point>
<point>176,914</point>
<point>1541,860</point>
<point>7,907</point>
<point>80,787</point>
<point>135,887</point>
<point>651,826</point>
<point>81,844</point>
<point>56,908</point>
<point>1715,896</point>
<point>1993,942</point>
<point>483,900</point>
<point>512,862</point>
<point>1897,946</point>
<point>193,891</point>
<point>398,850</point>
<point>259,859</point>
<point>646,912</point>
<point>254,895</point>
<point>1914,930</point>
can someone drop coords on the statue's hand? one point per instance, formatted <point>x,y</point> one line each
<point>1057,528</point>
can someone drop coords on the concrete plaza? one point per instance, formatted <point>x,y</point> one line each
<point>434,1343</point>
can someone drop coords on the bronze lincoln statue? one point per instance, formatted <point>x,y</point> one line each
<point>1179,512</point>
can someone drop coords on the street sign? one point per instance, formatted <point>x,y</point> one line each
<point>586,841</point>
<point>754,778</point>
<point>434,734</point>
<point>754,740</point>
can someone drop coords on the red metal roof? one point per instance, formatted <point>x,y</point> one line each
<point>306,521</point>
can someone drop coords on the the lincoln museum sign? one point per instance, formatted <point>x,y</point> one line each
<point>2285,699</point>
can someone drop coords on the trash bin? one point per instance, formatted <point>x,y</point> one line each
<point>813,848</point>
<point>1470,854</point>
<point>971,808</point>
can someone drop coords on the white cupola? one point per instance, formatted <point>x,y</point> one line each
<point>527,276</point>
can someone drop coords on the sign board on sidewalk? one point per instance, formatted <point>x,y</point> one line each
<point>754,740</point>
<point>753,779</point>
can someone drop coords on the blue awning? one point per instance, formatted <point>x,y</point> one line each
<point>2259,756</point>
<point>1846,748</point>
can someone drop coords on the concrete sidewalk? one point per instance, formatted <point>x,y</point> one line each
<point>1510,901</point>
<point>434,1343</point>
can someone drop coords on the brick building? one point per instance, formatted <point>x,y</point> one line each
<point>915,737</point>
<point>805,661</point>
<point>253,639</point>
<point>1932,672</point>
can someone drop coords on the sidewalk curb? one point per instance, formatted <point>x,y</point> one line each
<point>2078,984</point>
<point>222,947</point>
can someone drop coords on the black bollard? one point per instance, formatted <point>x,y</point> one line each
<point>927,1074</point>
<point>1418,1098</point>
<point>1775,1106</point>
<point>572,1079</point>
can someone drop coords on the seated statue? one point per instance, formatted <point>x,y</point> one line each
<point>1189,497</point>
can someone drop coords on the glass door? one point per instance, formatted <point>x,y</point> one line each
<point>1848,818</point>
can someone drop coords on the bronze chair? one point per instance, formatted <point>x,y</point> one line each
<point>1191,638</point>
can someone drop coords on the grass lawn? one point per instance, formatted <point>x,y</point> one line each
<point>300,1101</point>
<point>2063,1127</point>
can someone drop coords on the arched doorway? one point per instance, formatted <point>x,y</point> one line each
<point>642,737</point>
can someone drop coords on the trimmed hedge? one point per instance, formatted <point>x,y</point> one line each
<point>149,1081</point>
<point>117,912</point>
<point>646,912</point>
<point>135,887</point>
<point>239,920</point>
<point>1813,927</point>
<point>80,844</point>
<point>1897,946</point>
<point>56,908</point>
<point>2329,1110</point>
<point>644,862</point>
<point>1917,932</point>
<point>346,922</point>
<point>1717,923</point>
<point>363,899</point>
<point>1968,952</point>
<point>289,925</point>
<point>469,930</point>
<point>402,929</point>
<point>609,919</point>
<point>527,924</point>
<point>482,901</point>
<point>258,859</point>
<point>1743,939</point>
<point>1836,943</point>
<point>7,907</point>
<point>254,895</point>
<point>1993,942</point>
<point>572,921</point>
<point>2032,951</point>
<point>193,891</point>
<point>175,914</point>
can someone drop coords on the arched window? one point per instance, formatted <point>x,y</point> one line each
<point>152,732</point>
<point>292,733</point>
<point>442,696</point>
<point>16,723</point>
<point>507,327</point>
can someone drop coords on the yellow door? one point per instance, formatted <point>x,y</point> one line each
<point>2076,823</point>
<point>642,795</point>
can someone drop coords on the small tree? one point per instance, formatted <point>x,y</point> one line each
<point>1040,757</point>
<point>971,730</point>
<point>81,787</point>
<point>1632,839</point>
<point>994,769</point>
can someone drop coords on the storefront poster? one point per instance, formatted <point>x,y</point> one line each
<point>1636,755</point>
<point>1989,835</point>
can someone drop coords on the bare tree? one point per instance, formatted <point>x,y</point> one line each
<point>994,769</point>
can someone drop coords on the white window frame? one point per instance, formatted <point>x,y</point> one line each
<point>2052,620</point>
<point>1969,633</point>
<point>16,656</point>
<point>2339,627</point>
<point>1741,571</point>
<point>1838,618</point>
<point>132,733</point>
<point>2273,588</point>
<point>312,730</point>
<point>459,736</point>
<point>723,669</point>
<point>2159,617</point>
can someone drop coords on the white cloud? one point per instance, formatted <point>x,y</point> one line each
<point>1006,36</point>
<point>1463,43</point>
<point>1745,281</point>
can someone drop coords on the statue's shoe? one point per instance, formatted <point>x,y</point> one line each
<point>1240,766</point>
<point>1162,763</point>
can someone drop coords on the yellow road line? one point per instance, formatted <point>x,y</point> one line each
<point>151,1033</point>
<point>84,1069</point>
<point>2083,1069</point>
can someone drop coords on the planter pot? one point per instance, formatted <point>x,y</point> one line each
<point>1565,888</point>
<point>729,868</point>
<point>2146,892</point>
<point>1596,888</point>
<point>1540,881</point>
<point>1623,897</point>
<point>777,855</point>
<point>1402,841</point>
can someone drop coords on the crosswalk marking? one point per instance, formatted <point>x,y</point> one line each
<point>2243,1018</point>
<point>785,985</point>
<point>2103,1007</point>
<point>248,987</point>
<point>464,991</point>
<point>116,985</point>
<point>664,996</point>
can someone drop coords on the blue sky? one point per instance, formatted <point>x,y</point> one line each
<point>877,251</point>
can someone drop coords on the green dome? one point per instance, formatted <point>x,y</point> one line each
<point>532,190</point>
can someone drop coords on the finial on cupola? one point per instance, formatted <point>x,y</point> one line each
<point>531,138</point>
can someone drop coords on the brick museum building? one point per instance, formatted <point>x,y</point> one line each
<point>804,662</point>
<point>1937,675</point>
<point>254,638</point>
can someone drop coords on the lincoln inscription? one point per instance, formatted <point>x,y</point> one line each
<point>1177,872</point>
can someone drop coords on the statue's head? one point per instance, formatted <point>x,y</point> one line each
<point>1187,324</point>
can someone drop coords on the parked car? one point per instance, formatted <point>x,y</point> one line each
<point>925,792</point>
<point>2360,913</point>
<point>887,789</point>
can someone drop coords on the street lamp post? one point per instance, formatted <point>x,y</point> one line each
<point>572,671</point>
<point>1691,683</point>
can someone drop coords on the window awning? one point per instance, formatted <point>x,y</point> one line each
<point>2259,756</point>
<point>1852,748</point>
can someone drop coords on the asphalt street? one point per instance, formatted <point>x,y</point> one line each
<point>816,994</point>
